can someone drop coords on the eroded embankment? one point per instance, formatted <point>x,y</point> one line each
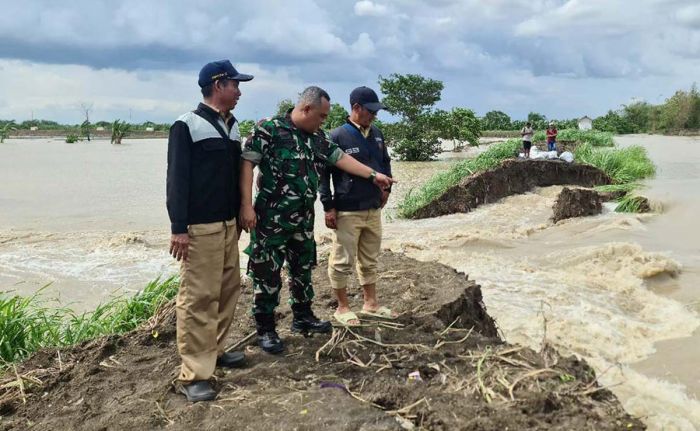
<point>509,178</point>
<point>469,379</point>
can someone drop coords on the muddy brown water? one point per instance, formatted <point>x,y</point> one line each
<point>618,290</point>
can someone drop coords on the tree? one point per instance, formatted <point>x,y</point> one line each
<point>416,136</point>
<point>637,114</point>
<point>612,122</point>
<point>283,106</point>
<point>85,129</point>
<point>410,96</point>
<point>246,128</point>
<point>496,120</point>
<point>336,117</point>
<point>86,126</point>
<point>464,126</point>
<point>119,130</point>
<point>538,121</point>
<point>5,130</point>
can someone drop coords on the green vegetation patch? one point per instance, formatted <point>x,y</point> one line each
<point>623,165</point>
<point>27,324</point>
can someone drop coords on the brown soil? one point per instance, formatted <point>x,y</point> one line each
<point>577,203</point>
<point>359,380</point>
<point>511,177</point>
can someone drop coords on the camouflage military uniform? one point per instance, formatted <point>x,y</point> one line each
<point>289,161</point>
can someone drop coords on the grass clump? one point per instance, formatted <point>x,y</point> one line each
<point>632,204</point>
<point>623,165</point>
<point>27,324</point>
<point>439,183</point>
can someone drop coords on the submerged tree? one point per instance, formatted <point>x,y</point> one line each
<point>5,130</point>
<point>86,126</point>
<point>119,130</point>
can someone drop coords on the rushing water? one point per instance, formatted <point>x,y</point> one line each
<point>620,290</point>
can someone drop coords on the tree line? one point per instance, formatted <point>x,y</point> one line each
<point>420,129</point>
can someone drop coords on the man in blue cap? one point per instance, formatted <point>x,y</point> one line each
<point>203,199</point>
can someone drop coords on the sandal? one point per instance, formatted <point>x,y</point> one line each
<point>381,312</point>
<point>345,318</point>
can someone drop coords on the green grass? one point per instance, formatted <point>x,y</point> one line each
<point>623,165</point>
<point>27,324</point>
<point>630,204</point>
<point>592,137</point>
<point>438,184</point>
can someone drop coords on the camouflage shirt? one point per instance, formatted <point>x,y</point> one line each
<point>290,161</point>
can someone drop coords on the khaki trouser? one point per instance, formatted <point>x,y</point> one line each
<point>210,284</point>
<point>358,236</point>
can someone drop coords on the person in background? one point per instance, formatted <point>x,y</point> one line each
<point>527,132</point>
<point>551,136</point>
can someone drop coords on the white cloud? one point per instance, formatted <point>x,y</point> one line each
<point>369,8</point>
<point>689,15</point>
<point>55,92</point>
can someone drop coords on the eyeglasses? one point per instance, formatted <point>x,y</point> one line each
<point>371,112</point>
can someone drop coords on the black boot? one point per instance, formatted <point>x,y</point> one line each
<point>200,390</point>
<point>305,321</point>
<point>268,340</point>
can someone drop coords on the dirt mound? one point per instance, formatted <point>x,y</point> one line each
<point>511,177</point>
<point>440,366</point>
<point>577,203</point>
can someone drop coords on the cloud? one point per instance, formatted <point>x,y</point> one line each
<point>369,8</point>
<point>487,53</point>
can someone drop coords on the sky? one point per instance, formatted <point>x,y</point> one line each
<point>138,60</point>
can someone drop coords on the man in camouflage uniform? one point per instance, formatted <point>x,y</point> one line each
<point>289,150</point>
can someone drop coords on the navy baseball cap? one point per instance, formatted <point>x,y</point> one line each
<point>222,69</point>
<point>366,97</point>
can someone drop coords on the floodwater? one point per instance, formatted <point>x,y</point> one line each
<point>620,290</point>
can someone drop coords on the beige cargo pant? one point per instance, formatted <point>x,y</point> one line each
<point>210,285</point>
<point>358,237</point>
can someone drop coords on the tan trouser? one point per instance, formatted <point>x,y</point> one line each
<point>358,235</point>
<point>210,284</point>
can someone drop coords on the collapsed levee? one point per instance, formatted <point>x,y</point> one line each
<point>440,366</point>
<point>509,178</point>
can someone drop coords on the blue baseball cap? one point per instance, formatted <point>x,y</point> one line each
<point>365,96</point>
<point>222,69</point>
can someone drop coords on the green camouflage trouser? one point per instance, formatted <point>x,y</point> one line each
<point>268,254</point>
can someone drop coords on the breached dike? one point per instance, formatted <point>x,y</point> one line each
<point>509,178</point>
<point>577,203</point>
<point>440,366</point>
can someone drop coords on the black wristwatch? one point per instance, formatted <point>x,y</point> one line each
<point>372,176</point>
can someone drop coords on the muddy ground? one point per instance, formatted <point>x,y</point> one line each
<point>511,177</point>
<point>468,378</point>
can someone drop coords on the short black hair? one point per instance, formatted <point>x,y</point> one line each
<point>208,90</point>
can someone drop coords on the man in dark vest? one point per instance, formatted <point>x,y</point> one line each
<point>353,209</point>
<point>203,199</point>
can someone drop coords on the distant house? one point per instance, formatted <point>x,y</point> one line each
<point>585,123</point>
<point>100,129</point>
<point>33,128</point>
<point>150,129</point>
